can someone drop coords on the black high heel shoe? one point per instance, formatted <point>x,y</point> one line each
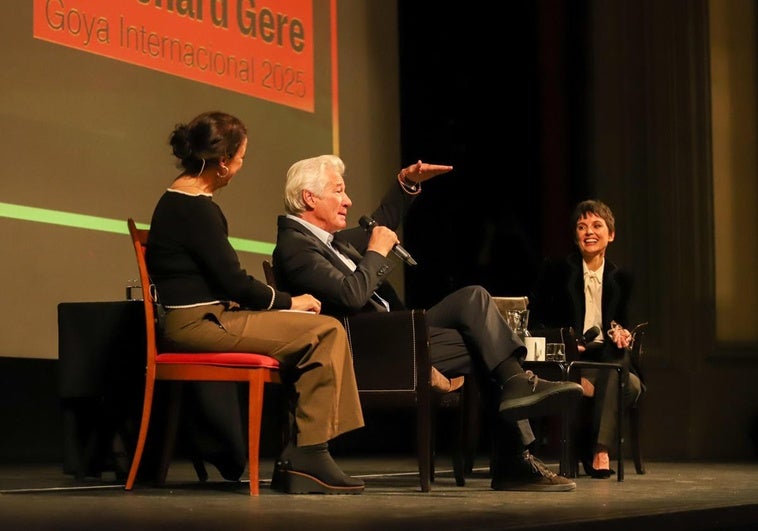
<point>593,472</point>
<point>230,468</point>
<point>311,470</point>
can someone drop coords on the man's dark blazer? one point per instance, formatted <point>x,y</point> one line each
<point>558,300</point>
<point>303,264</point>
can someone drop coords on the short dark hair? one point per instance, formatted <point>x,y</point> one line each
<point>593,206</point>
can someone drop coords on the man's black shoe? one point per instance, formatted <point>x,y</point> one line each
<point>525,395</point>
<point>527,473</point>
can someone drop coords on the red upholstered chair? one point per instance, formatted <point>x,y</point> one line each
<point>254,369</point>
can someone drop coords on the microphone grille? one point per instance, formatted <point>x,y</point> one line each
<point>366,222</point>
<point>592,333</point>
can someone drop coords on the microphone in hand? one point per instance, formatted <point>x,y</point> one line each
<point>590,335</point>
<point>368,223</point>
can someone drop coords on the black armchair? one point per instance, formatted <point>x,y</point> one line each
<point>553,370</point>
<point>636,351</point>
<point>571,369</point>
<point>393,369</point>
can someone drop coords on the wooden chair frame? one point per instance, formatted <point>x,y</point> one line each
<point>254,369</point>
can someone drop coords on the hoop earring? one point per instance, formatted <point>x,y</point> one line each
<point>222,175</point>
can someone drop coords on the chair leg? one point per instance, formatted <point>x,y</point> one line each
<point>582,437</point>
<point>459,467</point>
<point>571,453</point>
<point>424,436</point>
<point>433,443</point>
<point>147,407</point>
<point>463,453</point>
<point>567,459</point>
<point>174,406</point>
<point>634,434</point>
<point>567,466</point>
<point>254,420</point>
<point>620,426</point>
<point>472,426</point>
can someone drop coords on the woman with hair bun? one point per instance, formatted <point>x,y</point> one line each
<point>210,303</point>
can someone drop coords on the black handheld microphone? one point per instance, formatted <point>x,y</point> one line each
<point>590,334</point>
<point>368,225</point>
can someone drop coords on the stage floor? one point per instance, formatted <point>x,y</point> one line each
<point>671,496</point>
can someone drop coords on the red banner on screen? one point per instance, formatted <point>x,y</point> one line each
<point>259,48</point>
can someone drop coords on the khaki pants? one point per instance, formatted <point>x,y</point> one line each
<point>314,348</point>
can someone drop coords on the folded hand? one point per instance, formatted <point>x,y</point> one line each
<point>306,303</point>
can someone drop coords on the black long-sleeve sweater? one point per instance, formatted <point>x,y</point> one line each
<point>192,262</point>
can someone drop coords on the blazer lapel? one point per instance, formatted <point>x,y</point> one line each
<point>347,249</point>
<point>576,291</point>
<point>611,294</point>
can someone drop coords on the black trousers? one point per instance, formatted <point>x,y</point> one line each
<point>468,335</point>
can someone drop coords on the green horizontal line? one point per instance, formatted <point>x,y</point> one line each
<point>118,226</point>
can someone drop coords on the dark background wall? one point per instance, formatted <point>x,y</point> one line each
<point>555,102</point>
<point>504,100</point>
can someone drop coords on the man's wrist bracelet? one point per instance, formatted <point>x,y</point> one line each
<point>408,186</point>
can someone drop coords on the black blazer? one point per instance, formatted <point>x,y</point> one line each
<point>558,300</point>
<point>303,264</point>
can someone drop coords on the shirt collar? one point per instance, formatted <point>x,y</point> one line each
<point>321,234</point>
<point>597,274</point>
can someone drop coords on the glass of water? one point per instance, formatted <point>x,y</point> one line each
<point>555,352</point>
<point>518,321</point>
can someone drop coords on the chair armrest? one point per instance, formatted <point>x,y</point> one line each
<point>390,350</point>
<point>637,349</point>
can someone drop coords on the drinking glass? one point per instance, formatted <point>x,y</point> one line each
<point>555,352</point>
<point>518,320</point>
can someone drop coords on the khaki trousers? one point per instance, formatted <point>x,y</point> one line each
<point>313,348</point>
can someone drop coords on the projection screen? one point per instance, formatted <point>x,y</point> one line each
<point>92,90</point>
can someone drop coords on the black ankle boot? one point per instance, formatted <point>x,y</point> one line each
<point>311,469</point>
